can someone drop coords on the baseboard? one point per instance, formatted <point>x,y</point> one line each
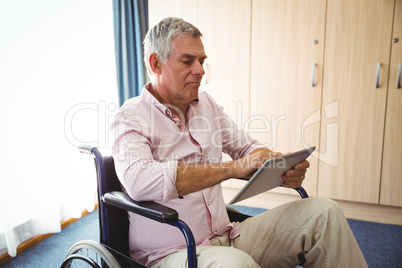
<point>352,210</point>
<point>39,238</point>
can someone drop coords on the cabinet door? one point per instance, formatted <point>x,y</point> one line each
<point>159,9</point>
<point>391,178</point>
<point>287,52</point>
<point>225,25</point>
<point>357,51</point>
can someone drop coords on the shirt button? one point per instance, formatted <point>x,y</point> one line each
<point>177,123</point>
<point>209,203</point>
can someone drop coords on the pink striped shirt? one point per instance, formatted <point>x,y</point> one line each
<point>149,143</point>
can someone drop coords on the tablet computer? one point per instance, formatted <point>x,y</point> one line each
<point>269,175</point>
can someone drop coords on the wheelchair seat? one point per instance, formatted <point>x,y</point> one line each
<point>113,248</point>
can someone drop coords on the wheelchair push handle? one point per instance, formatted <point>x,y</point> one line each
<point>86,149</point>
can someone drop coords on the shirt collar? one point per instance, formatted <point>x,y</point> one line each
<point>149,98</point>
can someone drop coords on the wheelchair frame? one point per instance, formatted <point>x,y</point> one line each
<point>114,203</point>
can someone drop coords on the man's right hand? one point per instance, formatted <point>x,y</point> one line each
<point>247,166</point>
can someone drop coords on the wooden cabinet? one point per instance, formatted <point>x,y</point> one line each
<point>160,9</point>
<point>345,111</point>
<point>391,176</point>
<point>358,38</point>
<point>226,26</point>
<point>286,76</point>
<point>310,72</point>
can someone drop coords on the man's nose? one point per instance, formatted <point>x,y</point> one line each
<point>199,69</point>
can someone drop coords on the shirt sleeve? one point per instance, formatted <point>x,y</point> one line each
<point>143,178</point>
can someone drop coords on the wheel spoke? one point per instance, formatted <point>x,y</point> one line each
<point>96,255</point>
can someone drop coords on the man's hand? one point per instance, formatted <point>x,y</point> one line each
<point>247,166</point>
<point>294,178</point>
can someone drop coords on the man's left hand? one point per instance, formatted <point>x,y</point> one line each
<point>294,178</point>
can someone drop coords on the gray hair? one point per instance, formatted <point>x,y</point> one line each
<point>159,39</point>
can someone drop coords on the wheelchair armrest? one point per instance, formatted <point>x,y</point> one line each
<point>157,212</point>
<point>303,194</point>
<point>148,209</point>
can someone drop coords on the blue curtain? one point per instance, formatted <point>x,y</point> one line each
<point>130,27</point>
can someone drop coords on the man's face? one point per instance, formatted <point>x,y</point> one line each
<point>181,75</point>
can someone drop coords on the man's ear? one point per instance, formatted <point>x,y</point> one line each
<point>155,63</point>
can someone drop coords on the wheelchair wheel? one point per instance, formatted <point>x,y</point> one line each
<point>88,253</point>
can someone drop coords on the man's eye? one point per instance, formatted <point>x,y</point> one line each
<point>187,62</point>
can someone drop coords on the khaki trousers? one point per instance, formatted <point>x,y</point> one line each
<point>313,231</point>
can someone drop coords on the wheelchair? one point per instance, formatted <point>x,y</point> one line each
<point>113,249</point>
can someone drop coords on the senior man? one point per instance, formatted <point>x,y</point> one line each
<point>168,149</point>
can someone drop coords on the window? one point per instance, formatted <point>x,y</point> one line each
<point>57,89</point>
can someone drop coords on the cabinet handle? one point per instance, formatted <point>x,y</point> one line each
<point>399,76</point>
<point>377,81</point>
<point>206,79</point>
<point>312,75</point>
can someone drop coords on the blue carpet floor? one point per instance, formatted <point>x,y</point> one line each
<point>51,252</point>
<point>381,244</point>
